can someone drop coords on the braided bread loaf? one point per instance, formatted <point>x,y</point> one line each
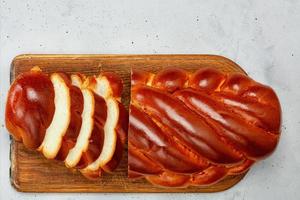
<point>197,128</point>
<point>75,119</point>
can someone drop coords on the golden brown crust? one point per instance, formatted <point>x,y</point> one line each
<point>70,137</point>
<point>30,109</point>
<point>97,136</point>
<point>199,127</point>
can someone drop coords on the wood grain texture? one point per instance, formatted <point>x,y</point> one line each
<point>31,172</point>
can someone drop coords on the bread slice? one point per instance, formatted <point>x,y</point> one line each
<point>77,80</point>
<point>101,86</point>
<point>61,119</point>
<point>86,129</point>
<point>110,136</point>
<point>79,120</point>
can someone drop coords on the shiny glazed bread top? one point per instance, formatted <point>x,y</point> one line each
<point>73,118</point>
<point>197,128</point>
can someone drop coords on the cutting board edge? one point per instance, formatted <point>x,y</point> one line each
<point>118,56</point>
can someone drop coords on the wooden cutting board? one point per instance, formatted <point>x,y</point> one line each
<point>30,172</point>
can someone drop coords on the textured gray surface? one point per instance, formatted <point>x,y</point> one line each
<point>261,36</point>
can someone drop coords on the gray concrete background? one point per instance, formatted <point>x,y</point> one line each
<point>261,36</point>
